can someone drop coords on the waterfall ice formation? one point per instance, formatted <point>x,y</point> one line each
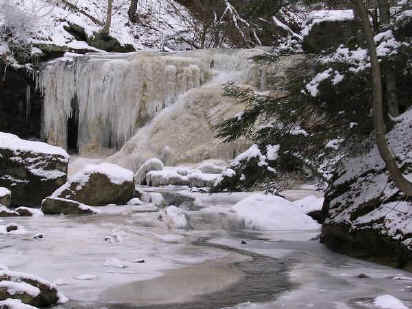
<point>149,103</point>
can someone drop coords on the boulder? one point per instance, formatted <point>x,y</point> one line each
<point>27,289</point>
<point>179,199</point>
<point>11,303</point>
<point>365,215</point>
<point>5,212</point>
<point>150,165</point>
<point>57,206</point>
<point>99,185</point>
<point>178,176</point>
<point>403,25</point>
<point>5,196</point>
<point>321,29</point>
<point>31,170</point>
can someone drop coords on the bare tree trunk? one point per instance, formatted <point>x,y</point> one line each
<point>390,76</point>
<point>388,157</point>
<point>132,11</point>
<point>108,24</point>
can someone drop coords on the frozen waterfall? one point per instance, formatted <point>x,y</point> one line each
<point>102,100</point>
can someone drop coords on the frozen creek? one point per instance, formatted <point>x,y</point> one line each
<point>96,261</point>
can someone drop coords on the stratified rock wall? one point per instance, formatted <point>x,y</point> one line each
<point>365,213</point>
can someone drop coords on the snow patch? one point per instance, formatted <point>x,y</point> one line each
<point>388,302</point>
<point>269,212</point>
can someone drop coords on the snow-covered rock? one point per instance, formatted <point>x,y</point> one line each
<point>57,206</point>
<point>365,213</point>
<point>5,212</point>
<point>30,170</point>
<point>320,29</point>
<point>99,185</point>
<point>388,302</point>
<point>150,165</point>
<point>176,218</point>
<point>180,176</point>
<point>269,212</point>
<point>28,289</point>
<point>135,201</point>
<point>5,196</point>
<point>11,303</point>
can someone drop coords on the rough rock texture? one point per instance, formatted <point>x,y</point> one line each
<point>5,196</point>
<point>57,206</point>
<point>30,170</point>
<point>29,289</point>
<point>99,185</point>
<point>327,32</point>
<point>17,89</point>
<point>365,214</point>
<point>150,165</point>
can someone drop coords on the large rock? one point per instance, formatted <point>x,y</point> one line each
<point>99,185</point>
<point>179,176</point>
<point>328,29</point>
<point>5,196</point>
<point>28,289</point>
<point>5,212</point>
<point>150,165</point>
<point>31,170</point>
<point>365,214</point>
<point>57,206</point>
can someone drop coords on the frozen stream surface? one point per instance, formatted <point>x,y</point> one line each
<point>128,257</point>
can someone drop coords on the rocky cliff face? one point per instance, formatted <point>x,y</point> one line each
<point>20,103</point>
<point>365,214</point>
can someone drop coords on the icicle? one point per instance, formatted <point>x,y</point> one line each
<point>28,103</point>
<point>117,94</point>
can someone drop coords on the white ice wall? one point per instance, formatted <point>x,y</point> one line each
<point>119,94</point>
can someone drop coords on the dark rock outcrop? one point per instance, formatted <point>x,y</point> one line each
<point>57,206</point>
<point>20,103</point>
<point>325,32</point>
<point>365,215</point>
<point>28,289</point>
<point>31,170</point>
<point>99,185</point>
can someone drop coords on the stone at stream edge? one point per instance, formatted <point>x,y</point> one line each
<point>56,206</point>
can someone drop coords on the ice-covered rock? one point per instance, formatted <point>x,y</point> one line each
<point>135,201</point>
<point>99,185</point>
<point>29,289</point>
<point>208,167</point>
<point>176,218</point>
<point>182,200</point>
<point>150,165</point>
<point>365,213</point>
<point>5,196</point>
<point>30,170</point>
<point>180,176</point>
<point>57,206</point>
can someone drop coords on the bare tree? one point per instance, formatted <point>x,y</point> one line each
<point>389,74</point>
<point>108,23</point>
<point>403,184</point>
<point>132,11</point>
